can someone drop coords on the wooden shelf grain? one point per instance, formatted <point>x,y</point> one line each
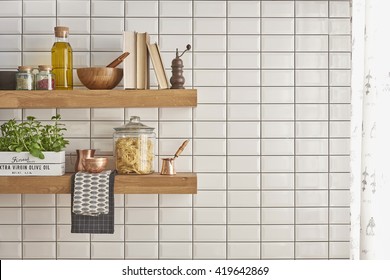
<point>98,98</point>
<point>181,183</point>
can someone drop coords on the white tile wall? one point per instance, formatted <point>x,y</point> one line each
<point>269,138</point>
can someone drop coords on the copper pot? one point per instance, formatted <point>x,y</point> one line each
<point>81,156</point>
<point>95,165</point>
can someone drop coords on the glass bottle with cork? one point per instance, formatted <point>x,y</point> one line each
<point>25,78</point>
<point>45,78</point>
<point>62,59</point>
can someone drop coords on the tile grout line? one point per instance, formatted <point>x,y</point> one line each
<point>226,128</point>
<point>329,101</point>
<point>192,124</point>
<point>159,129</point>
<point>261,134</point>
<point>295,132</point>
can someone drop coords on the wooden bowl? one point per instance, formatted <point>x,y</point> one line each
<point>100,77</point>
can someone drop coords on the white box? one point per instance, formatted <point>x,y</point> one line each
<point>24,164</point>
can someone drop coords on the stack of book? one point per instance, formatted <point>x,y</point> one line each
<point>136,65</point>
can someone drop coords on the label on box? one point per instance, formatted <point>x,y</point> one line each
<point>24,164</point>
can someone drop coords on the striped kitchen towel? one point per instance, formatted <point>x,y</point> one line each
<point>92,199</point>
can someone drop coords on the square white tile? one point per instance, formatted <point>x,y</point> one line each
<point>175,9</point>
<point>277,60</point>
<point>209,216</point>
<point>107,250</point>
<point>274,147</point>
<point>238,251</point>
<point>277,163</point>
<point>175,233</point>
<point>247,112</point>
<point>177,26</point>
<point>243,164</point>
<point>175,200</point>
<point>274,181</point>
<point>277,199</point>
<point>243,9</point>
<point>209,9</point>
<point>312,198</point>
<point>277,233</point>
<point>208,251</point>
<point>282,26</point>
<point>39,250</point>
<point>243,25</point>
<point>210,199</point>
<point>209,26</point>
<point>311,215</point>
<point>141,216</point>
<point>311,250</point>
<point>243,199</point>
<point>175,216</point>
<point>209,233</point>
<point>311,9</point>
<point>176,251</point>
<point>311,180</point>
<point>73,8</point>
<point>205,147</point>
<point>211,181</point>
<point>312,233</point>
<point>277,216</point>
<point>243,181</point>
<point>244,129</point>
<point>136,250</point>
<point>244,233</point>
<point>243,146</point>
<point>277,43</point>
<point>73,250</point>
<point>141,9</point>
<point>243,216</point>
<point>276,250</point>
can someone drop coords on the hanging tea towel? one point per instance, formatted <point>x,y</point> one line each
<point>93,202</point>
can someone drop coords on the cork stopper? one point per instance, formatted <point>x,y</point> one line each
<point>61,31</point>
<point>44,67</point>
<point>24,68</point>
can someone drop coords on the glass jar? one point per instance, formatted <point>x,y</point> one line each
<point>24,78</point>
<point>134,148</point>
<point>45,78</point>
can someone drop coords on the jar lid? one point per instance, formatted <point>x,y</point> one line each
<point>25,68</point>
<point>61,31</point>
<point>44,67</point>
<point>134,125</point>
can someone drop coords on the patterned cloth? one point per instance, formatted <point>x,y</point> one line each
<point>91,212</point>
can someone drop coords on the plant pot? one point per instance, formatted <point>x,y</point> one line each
<point>24,164</point>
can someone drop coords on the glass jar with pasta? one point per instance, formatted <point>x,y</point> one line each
<point>134,148</point>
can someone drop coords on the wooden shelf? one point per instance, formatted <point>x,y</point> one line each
<point>181,183</point>
<point>98,98</point>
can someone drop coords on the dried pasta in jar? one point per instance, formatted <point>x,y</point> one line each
<point>134,155</point>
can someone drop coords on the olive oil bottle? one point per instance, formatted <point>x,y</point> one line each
<point>62,59</point>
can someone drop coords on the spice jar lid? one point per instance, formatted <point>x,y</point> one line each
<point>25,68</point>
<point>61,31</point>
<point>44,67</point>
<point>134,125</point>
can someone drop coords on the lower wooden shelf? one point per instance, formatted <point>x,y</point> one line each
<point>181,183</point>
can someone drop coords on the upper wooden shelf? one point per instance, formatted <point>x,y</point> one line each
<point>181,183</point>
<point>98,98</point>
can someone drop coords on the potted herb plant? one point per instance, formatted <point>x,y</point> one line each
<point>31,148</point>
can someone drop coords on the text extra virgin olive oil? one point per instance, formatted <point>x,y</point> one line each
<point>62,59</point>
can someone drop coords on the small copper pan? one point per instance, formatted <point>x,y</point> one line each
<point>168,164</point>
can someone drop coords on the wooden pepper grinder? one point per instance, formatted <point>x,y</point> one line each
<point>177,80</point>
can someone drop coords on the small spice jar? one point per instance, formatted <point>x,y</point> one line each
<point>45,78</point>
<point>24,78</point>
<point>134,148</point>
